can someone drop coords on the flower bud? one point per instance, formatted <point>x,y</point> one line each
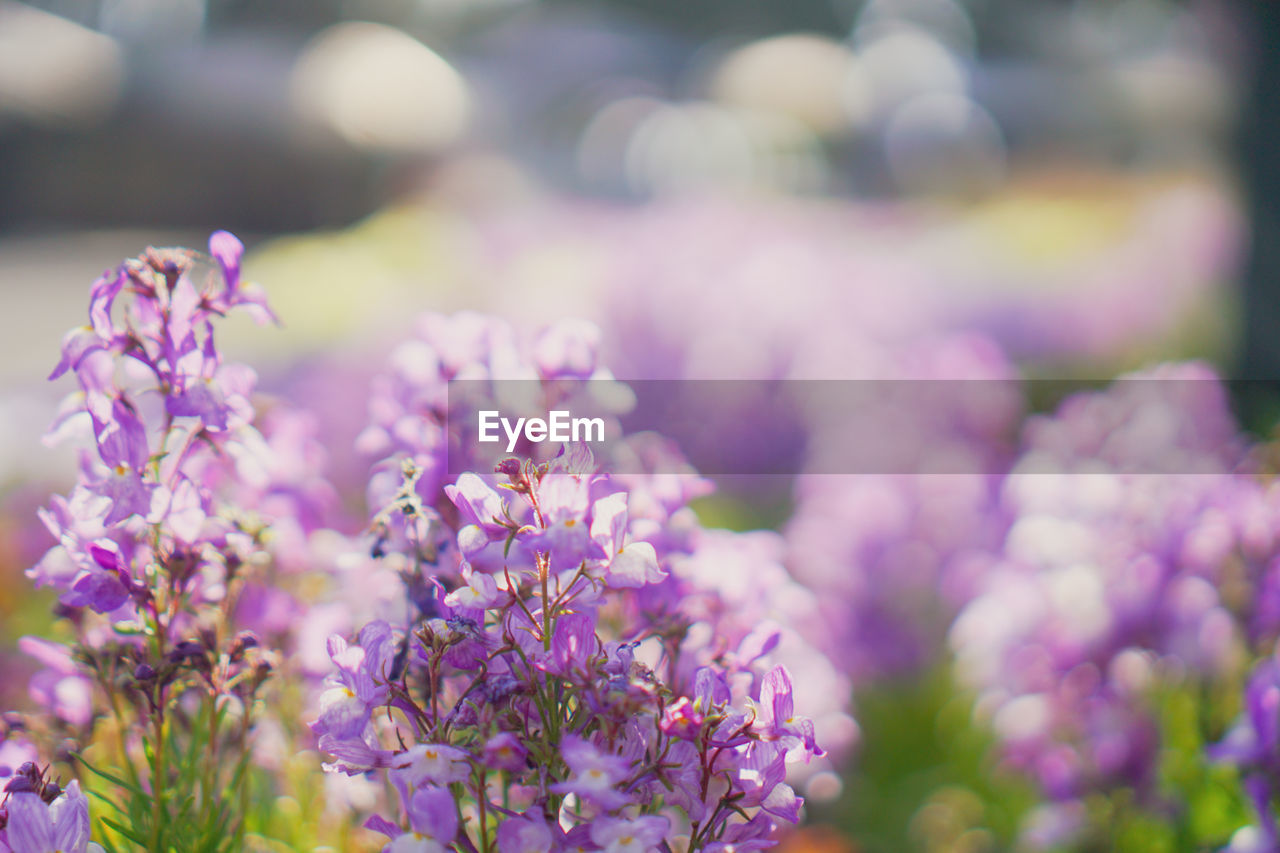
<point>243,641</point>
<point>21,784</point>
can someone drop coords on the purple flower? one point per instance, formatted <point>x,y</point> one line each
<point>762,774</point>
<point>1126,515</point>
<point>595,774</point>
<point>433,818</point>
<point>481,507</point>
<point>217,394</point>
<point>77,525</point>
<point>1254,741</point>
<point>14,753</point>
<point>128,492</point>
<point>58,827</point>
<point>360,684</point>
<point>227,250</point>
<point>504,751</point>
<point>100,332</point>
<point>142,506</point>
<point>778,720</point>
<point>524,835</point>
<point>121,437</point>
<point>618,835</point>
<point>184,510</point>
<point>354,756</point>
<point>753,834</point>
<point>626,565</point>
<point>565,504</point>
<point>573,643</point>
<point>1253,745</point>
<point>97,577</point>
<point>531,603</point>
<point>710,690</point>
<point>479,594</point>
<point>430,764</point>
<point>75,346</point>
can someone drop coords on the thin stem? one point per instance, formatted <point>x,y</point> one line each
<point>482,799</point>
<point>211,772</point>
<point>158,772</point>
<point>119,731</point>
<point>544,572</point>
<point>159,769</point>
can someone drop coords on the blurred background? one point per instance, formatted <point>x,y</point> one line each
<point>1010,151</point>
<point>1077,181</point>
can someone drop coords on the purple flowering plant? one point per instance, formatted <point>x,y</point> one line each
<point>551,658</point>
<point>1110,641</point>
<point>515,711</point>
<point>556,654</point>
<point>152,702</point>
<point>571,674</point>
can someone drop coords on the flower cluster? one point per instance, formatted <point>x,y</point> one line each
<point>1136,540</point>
<point>163,410</point>
<point>155,543</point>
<point>583,667</point>
<point>522,687</point>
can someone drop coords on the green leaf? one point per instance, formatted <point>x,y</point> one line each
<point>127,833</point>
<point>115,780</point>
<point>106,842</point>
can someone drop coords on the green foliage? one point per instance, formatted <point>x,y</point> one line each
<point>200,804</point>
<point>925,777</point>
<point>1209,804</point>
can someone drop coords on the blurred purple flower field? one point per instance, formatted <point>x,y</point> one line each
<point>560,652</point>
<point>934,504</point>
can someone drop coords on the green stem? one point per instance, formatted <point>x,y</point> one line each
<point>159,768</point>
<point>211,772</point>
<point>119,727</point>
<point>158,772</point>
<point>544,572</point>
<point>482,792</point>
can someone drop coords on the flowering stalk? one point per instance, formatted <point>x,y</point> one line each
<point>150,557</point>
